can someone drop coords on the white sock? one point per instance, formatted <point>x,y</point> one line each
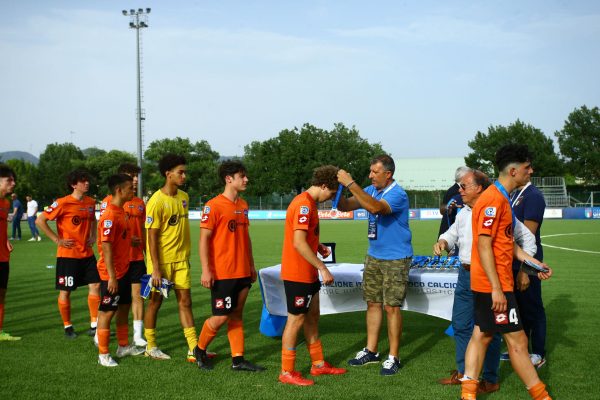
<point>392,358</point>
<point>138,326</point>
<point>94,325</point>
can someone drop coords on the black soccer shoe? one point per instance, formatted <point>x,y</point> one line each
<point>70,333</point>
<point>91,332</point>
<point>202,359</point>
<point>246,365</point>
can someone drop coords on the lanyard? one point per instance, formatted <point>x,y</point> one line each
<point>505,194</point>
<point>384,193</point>
<point>514,201</point>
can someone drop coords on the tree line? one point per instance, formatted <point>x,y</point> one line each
<point>283,164</point>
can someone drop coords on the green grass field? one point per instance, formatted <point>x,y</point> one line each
<point>45,365</point>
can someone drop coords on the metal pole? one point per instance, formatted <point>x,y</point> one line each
<point>139,108</point>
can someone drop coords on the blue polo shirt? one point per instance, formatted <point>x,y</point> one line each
<point>529,204</point>
<point>393,240</point>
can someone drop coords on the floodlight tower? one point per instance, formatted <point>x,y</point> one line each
<point>138,19</point>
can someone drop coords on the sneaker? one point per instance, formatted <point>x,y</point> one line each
<point>156,354</point>
<point>106,360</point>
<point>31,240</point>
<point>537,360</point>
<point>6,337</point>
<point>364,357</point>
<point>454,379</point>
<point>202,358</point>
<point>140,342</point>
<point>295,378</point>
<point>39,239</point>
<point>91,331</point>
<point>504,357</point>
<point>70,332</point>
<point>129,350</point>
<point>246,365</point>
<point>192,358</point>
<point>390,367</point>
<point>326,369</point>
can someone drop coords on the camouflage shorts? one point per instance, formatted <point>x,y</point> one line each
<point>384,281</point>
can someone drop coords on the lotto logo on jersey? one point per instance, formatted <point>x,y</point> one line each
<point>219,304</point>
<point>204,218</point>
<point>106,232</point>
<point>302,219</point>
<point>149,220</point>
<point>299,301</point>
<point>304,210</point>
<point>61,280</point>
<point>106,300</point>
<point>501,318</point>
<point>490,212</point>
<point>108,223</point>
<point>488,222</point>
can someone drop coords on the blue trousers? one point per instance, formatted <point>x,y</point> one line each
<point>32,227</point>
<point>16,227</point>
<point>533,314</point>
<point>462,323</point>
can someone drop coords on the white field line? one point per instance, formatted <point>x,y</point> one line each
<point>566,248</point>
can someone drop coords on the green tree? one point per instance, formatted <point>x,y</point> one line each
<point>102,164</point>
<point>56,162</point>
<point>546,162</point>
<point>26,178</point>
<point>202,162</point>
<point>579,143</point>
<point>284,164</point>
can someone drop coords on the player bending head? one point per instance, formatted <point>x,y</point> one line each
<point>325,175</point>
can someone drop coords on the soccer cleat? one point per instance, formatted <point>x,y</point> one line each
<point>537,360</point>
<point>106,360</point>
<point>70,332</point>
<point>246,365</point>
<point>326,369</point>
<point>91,331</point>
<point>6,337</point>
<point>390,367</point>
<point>295,378</point>
<point>192,358</point>
<point>156,354</point>
<point>129,350</point>
<point>454,379</point>
<point>364,357</point>
<point>201,358</point>
<point>140,342</point>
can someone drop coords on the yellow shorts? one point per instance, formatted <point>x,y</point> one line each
<point>176,272</point>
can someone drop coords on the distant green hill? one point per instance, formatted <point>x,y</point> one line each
<point>19,155</point>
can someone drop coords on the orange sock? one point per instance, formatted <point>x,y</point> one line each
<point>538,392</point>
<point>316,352</point>
<point>288,360</point>
<point>1,316</point>
<point>93,303</point>
<point>103,339</point>
<point>235,334</point>
<point>123,335</point>
<point>65,312</point>
<point>469,389</point>
<point>207,334</point>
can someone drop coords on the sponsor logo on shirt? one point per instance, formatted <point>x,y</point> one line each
<point>302,219</point>
<point>103,205</point>
<point>61,280</point>
<point>219,304</point>
<point>206,210</point>
<point>304,210</point>
<point>76,220</point>
<point>184,203</point>
<point>488,222</point>
<point>501,318</point>
<point>108,223</point>
<point>54,205</point>
<point>106,232</point>
<point>490,212</point>
<point>299,301</point>
<point>204,218</point>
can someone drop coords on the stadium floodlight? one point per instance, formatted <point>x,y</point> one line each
<point>138,20</point>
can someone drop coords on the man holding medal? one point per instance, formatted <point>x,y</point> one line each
<point>385,276</point>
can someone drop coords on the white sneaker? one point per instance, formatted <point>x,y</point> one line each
<point>129,350</point>
<point>31,240</point>
<point>139,341</point>
<point>537,360</point>
<point>106,360</point>
<point>156,354</point>
<point>39,239</point>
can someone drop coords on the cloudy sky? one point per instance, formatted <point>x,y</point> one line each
<point>419,77</point>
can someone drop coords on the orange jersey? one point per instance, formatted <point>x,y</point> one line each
<point>135,211</point>
<point>74,220</point>
<point>229,245</point>
<point>4,211</point>
<point>492,216</point>
<point>113,229</point>
<point>301,214</point>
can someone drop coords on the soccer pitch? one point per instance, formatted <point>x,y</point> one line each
<point>46,365</point>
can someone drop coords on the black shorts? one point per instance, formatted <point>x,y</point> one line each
<point>137,269</point>
<point>74,272</point>
<point>110,302</point>
<point>298,295</point>
<point>225,292</point>
<point>492,322</point>
<point>4,270</point>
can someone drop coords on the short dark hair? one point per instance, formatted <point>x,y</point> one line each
<point>512,153</point>
<point>77,175</point>
<point>386,161</point>
<point>7,172</point>
<point>116,181</point>
<point>129,168</point>
<point>481,179</point>
<point>325,175</point>
<point>230,168</point>
<point>170,161</point>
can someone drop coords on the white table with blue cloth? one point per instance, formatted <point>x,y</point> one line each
<point>429,291</point>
